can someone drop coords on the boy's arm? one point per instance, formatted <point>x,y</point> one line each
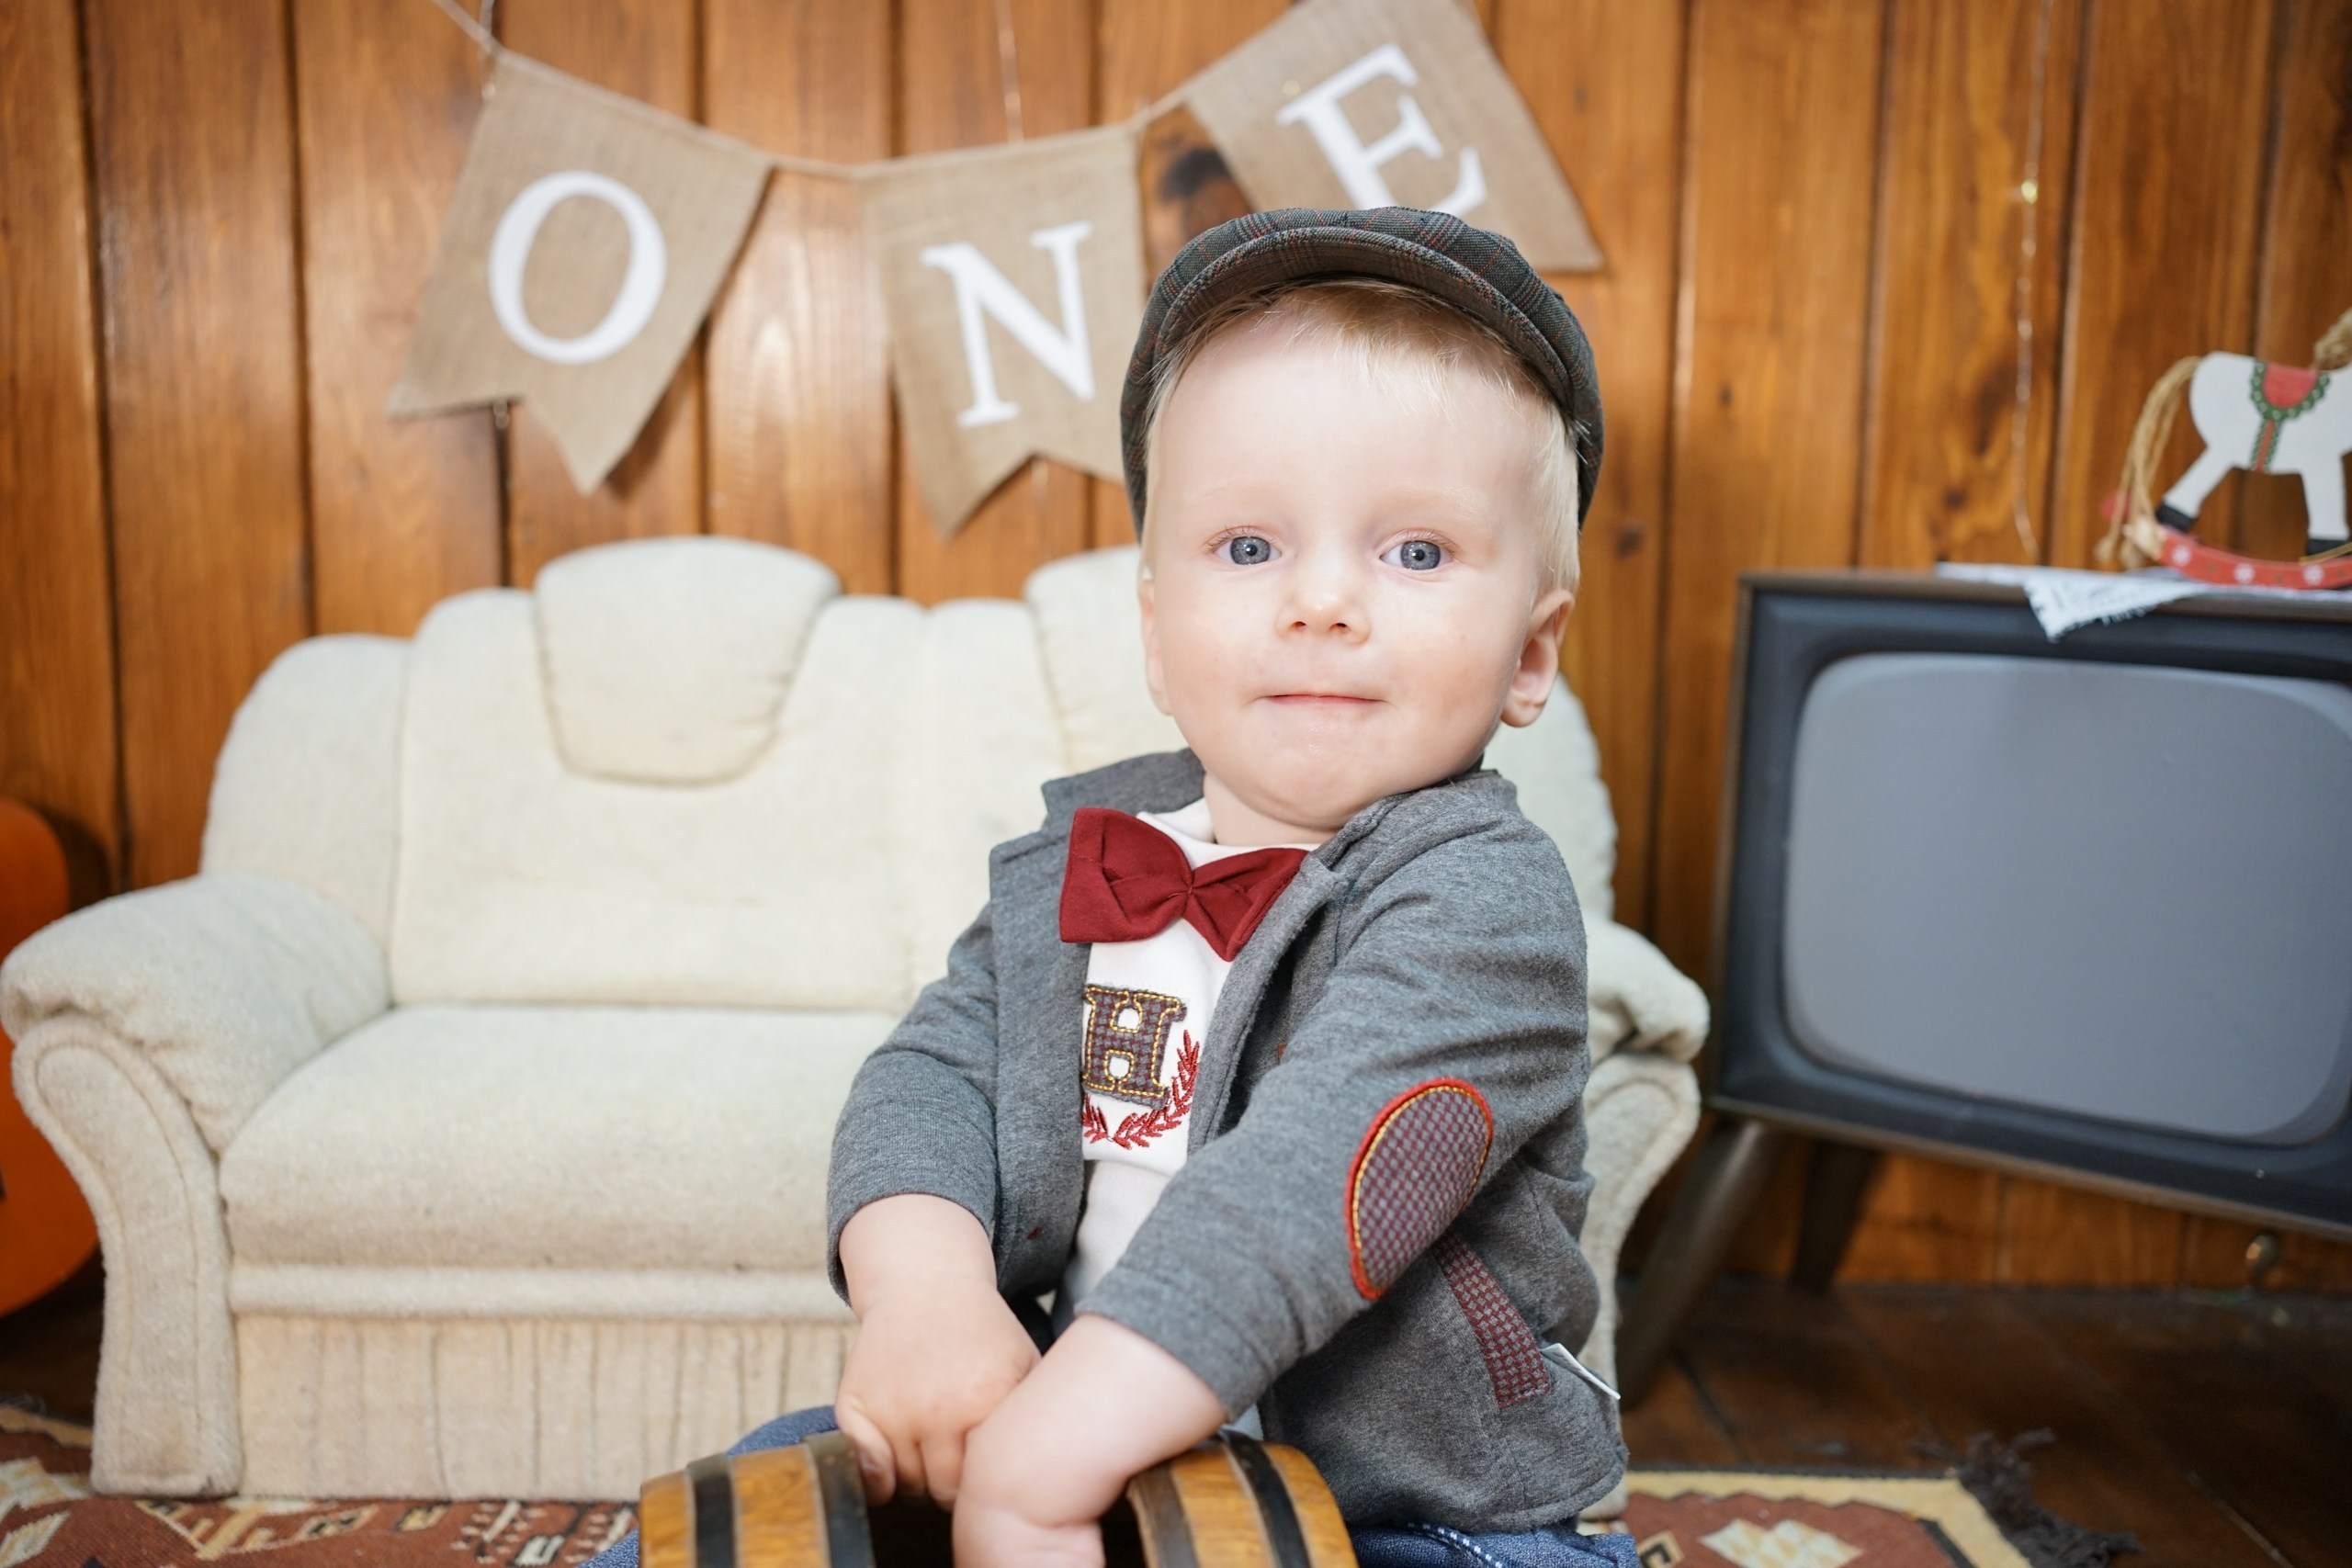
<point>1047,1464</point>
<point>922,1113</point>
<point>911,1199</point>
<point>1450,1031</point>
<point>937,1348</point>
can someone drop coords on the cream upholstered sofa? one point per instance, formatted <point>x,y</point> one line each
<point>461,1130</point>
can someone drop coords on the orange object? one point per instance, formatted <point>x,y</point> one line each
<point>46,1232</point>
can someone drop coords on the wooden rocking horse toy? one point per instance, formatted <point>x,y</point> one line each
<point>2265,418</point>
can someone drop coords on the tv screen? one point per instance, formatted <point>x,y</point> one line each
<point>2082,906</point>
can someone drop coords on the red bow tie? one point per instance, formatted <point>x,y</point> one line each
<point>1126,880</point>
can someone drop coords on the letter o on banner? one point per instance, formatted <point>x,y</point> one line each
<point>509,249</point>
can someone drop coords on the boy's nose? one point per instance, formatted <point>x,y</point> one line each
<point>1325,599</point>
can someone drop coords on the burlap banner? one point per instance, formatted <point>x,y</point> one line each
<point>1374,102</point>
<point>1013,281</point>
<point>591,231</point>
<point>588,236</point>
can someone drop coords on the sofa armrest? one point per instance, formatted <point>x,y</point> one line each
<point>225,983</point>
<point>1640,1111</point>
<point>167,1363</point>
<point>1639,1000</point>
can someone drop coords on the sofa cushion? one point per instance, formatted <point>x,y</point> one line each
<point>829,870</point>
<point>307,781</point>
<point>984,741</point>
<point>667,660</point>
<point>522,880</point>
<point>1556,768</point>
<point>1092,630</point>
<point>552,1137</point>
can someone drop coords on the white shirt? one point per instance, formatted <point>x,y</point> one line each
<point>1147,1014</point>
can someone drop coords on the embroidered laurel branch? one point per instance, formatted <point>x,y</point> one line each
<point>1139,1128</point>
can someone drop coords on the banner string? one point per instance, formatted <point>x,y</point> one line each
<point>1008,63</point>
<point>825,168</point>
<point>471,29</point>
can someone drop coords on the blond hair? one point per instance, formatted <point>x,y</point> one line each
<point>1410,343</point>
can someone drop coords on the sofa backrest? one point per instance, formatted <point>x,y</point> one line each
<point>692,771</point>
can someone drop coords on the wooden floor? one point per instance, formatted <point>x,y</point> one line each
<point>2218,1429</point>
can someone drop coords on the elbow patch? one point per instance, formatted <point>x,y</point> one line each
<point>1417,1168</point>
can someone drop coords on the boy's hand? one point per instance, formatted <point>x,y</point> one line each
<point>1041,1470</point>
<point>936,1351</point>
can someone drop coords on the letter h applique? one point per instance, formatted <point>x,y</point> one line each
<point>1126,1033</point>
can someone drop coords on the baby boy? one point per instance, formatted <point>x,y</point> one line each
<point>1265,1058</point>
<point>1263,1065</point>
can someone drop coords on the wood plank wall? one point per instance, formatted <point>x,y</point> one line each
<point>216,217</point>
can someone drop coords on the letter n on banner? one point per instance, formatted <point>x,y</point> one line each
<point>1384,102</point>
<point>1014,279</point>
<point>587,238</point>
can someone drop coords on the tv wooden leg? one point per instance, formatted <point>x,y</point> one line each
<point>1835,1177</point>
<point>1724,1182</point>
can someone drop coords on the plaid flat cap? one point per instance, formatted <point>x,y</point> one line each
<point>1479,274</point>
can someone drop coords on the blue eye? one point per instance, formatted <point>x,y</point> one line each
<point>1248,549</point>
<point>1417,555</point>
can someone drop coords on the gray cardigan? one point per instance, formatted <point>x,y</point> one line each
<point>1432,944</point>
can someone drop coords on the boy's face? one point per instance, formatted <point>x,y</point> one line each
<point>1344,590</point>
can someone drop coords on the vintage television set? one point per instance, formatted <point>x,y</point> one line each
<point>2078,909</point>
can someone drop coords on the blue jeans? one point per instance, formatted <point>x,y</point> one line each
<point>1406,1546</point>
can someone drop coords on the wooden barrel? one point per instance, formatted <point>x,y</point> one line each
<point>1231,1503</point>
<point>1237,1503</point>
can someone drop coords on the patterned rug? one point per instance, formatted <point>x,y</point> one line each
<point>1708,1518</point>
<point>1682,1519</point>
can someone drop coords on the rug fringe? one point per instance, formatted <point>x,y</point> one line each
<point>1997,1476</point>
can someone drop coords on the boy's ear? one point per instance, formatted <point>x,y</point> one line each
<point>1539,659</point>
<point>1151,674</point>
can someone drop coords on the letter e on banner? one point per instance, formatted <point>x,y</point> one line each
<point>1012,278</point>
<point>1358,165</point>
<point>1284,110</point>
